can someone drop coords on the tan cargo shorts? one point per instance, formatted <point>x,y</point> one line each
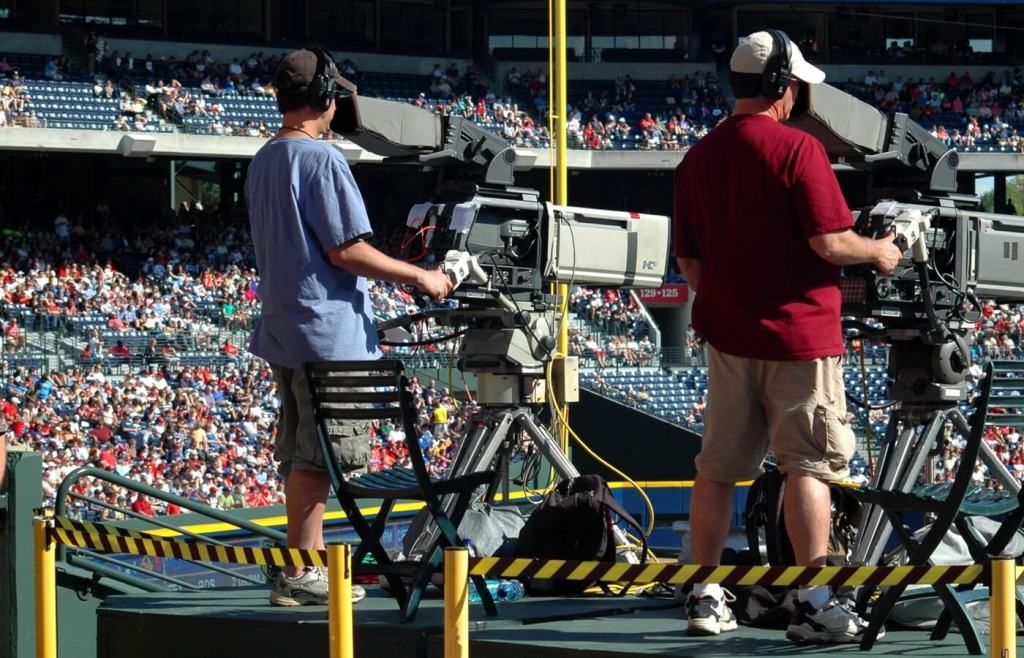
<point>297,444</point>
<point>796,409</point>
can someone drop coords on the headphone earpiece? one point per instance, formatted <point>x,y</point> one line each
<point>322,87</point>
<point>776,76</point>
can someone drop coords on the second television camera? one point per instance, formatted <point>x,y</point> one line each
<point>906,186</point>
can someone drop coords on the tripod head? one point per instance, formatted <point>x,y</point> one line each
<point>507,344</point>
<point>926,367</point>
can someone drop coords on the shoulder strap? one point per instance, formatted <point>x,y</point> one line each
<point>754,516</point>
<point>607,499</point>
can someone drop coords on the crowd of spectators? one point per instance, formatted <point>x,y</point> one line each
<point>199,431</point>
<point>938,50</point>
<point>611,329</point>
<point>1005,442</point>
<point>999,331</point>
<point>157,93</point>
<point>962,112</point>
<point>205,431</point>
<point>175,277</point>
<point>690,107</point>
<point>15,104</point>
<point>202,433</point>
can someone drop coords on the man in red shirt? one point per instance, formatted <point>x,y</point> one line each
<point>761,227</point>
<point>120,350</point>
<point>142,506</point>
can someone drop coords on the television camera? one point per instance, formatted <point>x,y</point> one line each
<point>902,181</point>
<point>905,184</point>
<point>502,247</point>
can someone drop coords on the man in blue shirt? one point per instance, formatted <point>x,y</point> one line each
<point>309,227</point>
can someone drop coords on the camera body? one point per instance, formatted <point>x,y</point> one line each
<point>968,252</point>
<point>523,244</point>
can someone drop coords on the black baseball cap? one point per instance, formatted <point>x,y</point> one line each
<point>298,68</point>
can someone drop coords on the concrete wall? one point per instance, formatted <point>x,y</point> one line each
<point>609,70</point>
<point>181,145</point>
<point>140,144</point>
<point>29,42</point>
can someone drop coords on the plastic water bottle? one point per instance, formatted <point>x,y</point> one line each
<point>502,591</point>
<point>492,587</point>
<point>510,590</point>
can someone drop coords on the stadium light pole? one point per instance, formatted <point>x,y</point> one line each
<point>558,107</point>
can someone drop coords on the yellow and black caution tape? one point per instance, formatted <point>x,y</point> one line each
<point>677,574</point>
<point>110,539</point>
<point>107,539</point>
<point>65,523</point>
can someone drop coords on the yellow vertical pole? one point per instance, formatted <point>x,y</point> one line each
<point>46,590</point>
<point>339,600</point>
<point>559,108</point>
<point>456,602</point>
<point>1003,609</point>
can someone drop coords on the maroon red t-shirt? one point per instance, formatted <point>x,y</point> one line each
<point>747,198</point>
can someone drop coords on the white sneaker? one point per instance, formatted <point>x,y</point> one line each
<point>308,589</point>
<point>710,616</point>
<point>831,624</point>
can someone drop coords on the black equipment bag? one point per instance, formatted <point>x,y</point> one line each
<point>574,522</point>
<point>764,510</point>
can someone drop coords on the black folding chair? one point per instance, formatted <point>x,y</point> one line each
<point>368,390</point>
<point>948,503</point>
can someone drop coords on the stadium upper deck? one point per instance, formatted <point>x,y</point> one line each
<point>643,77</point>
<point>923,31</point>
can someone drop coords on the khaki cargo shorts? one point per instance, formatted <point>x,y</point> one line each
<point>796,409</point>
<point>297,445</point>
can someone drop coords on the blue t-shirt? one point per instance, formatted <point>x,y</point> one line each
<point>303,202</point>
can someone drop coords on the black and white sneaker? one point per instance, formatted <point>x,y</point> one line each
<point>832,624</point>
<point>309,588</point>
<point>709,616</point>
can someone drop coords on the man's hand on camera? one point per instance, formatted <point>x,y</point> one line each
<point>435,283</point>
<point>887,255</point>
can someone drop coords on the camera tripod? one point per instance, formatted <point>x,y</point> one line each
<point>929,396</point>
<point>497,431</point>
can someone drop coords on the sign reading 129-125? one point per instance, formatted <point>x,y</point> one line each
<point>670,294</point>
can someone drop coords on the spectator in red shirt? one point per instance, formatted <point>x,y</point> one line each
<point>16,339</point>
<point>230,349</point>
<point>9,409</point>
<point>771,317</point>
<point>141,506</point>
<point>120,350</point>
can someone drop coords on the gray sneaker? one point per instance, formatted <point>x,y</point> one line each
<point>308,589</point>
<point>832,624</point>
<point>710,616</point>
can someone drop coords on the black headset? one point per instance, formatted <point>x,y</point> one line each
<point>777,75</point>
<point>322,87</point>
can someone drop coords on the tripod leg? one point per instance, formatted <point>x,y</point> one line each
<point>902,467</point>
<point>475,455</point>
<point>874,530</point>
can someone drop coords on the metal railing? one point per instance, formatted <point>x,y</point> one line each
<point>100,564</point>
<point>47,350</point>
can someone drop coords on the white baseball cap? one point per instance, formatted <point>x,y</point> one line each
<point>755,51</point>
